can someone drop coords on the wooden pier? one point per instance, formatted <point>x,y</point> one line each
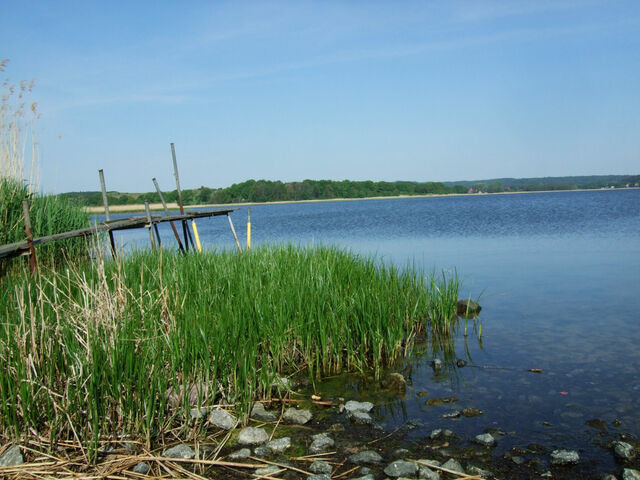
<point>22,248</point>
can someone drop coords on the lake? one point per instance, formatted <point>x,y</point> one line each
<point>558,277</point>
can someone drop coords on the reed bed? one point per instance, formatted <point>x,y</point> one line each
<point>128,346</point>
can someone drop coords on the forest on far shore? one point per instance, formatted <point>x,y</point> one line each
<point>275,191</point>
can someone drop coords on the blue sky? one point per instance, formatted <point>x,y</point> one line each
<point>396,90</point>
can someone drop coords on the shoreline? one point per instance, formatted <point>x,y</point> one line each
<point>154,207</point>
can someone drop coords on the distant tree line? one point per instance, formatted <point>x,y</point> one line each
<point>274,191</point>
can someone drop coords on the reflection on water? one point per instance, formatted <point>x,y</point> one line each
<point>558,276</point>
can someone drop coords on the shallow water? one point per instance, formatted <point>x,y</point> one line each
<point>558,275</point>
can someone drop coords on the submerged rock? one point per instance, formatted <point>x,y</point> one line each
<point>630,474</point>
<point>401,468</point>
<point>467,308</point>
<point>222,419</point>
<point>441,400</point>
<point>624,451</point>
<point>453,464</point>
<point>179,451</point>
<point>361,418</point>
<point>252,436</point>
<point>12,457</point>
<point>597,423</point>
<point>396,383</point>
<point>428,474</point>
<point>564,457</point>
<point>471,412</point>
<point>298,416</point>
<point>485,439</point>
<point>258,412</point>
<point>365,457</point>
<point>473,470</point>
<point>436,364</point>
<point>353,406</point>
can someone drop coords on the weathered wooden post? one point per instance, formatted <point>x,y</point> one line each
<point>233,230</point>
<point>185,230</point>
<point>29,233</point>
<point>106,211</point>
<point>166,211</point>
<point>153,240</point>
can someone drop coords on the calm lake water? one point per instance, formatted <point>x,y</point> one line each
<point>558,275</point>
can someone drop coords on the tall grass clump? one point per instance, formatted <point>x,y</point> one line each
<point>18,149</point>
<point>129,346</point>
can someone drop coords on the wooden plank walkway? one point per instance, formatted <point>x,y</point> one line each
<point>22,247</point>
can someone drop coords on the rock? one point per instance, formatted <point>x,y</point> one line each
<point>196,414</point>
<point>400,452</point>
<point>630,474</point>
<point>427,473</point>
<point>467,308</point>
<point>353,406</point>
<point>222,419</point>
<point>179,451</point>
<point>396,383</point>
<point>401,468</point>
<point>471,412</point>
<point>453,464</point>
<point>205,451</point>
<point>364,470</point>
<point>268,471</point>
<point>367,476</point>
<point>240,454</point>
<point>518,460</point>
<point>564,457</point>
<point>321,443</point>
<point>453,414</point>
<point>597,423</point>
<point>13,456</point>
<point>624,451</point>
<point>365,457</point>
<point>258,412</point>
<point>282,384</point>
<point>460,363</point>
<point>195,393</point>
<point>320,466</point>
<point>252,436</point>
<point>262,451</point>
<point>361,418</point>
<point>427,462</point>
<point>436,364</point>
<point>142,468</point>
<point>473,470</point>
<point>608,476</point>
<point>485,439</point>
<point>319,476</point>
<point>441,400</point>
<point>279,445</point>
<point>298,416</point>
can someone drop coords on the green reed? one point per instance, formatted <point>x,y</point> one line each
<point>108,348</point>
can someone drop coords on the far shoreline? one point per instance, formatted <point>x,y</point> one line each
<point>136,208</point>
